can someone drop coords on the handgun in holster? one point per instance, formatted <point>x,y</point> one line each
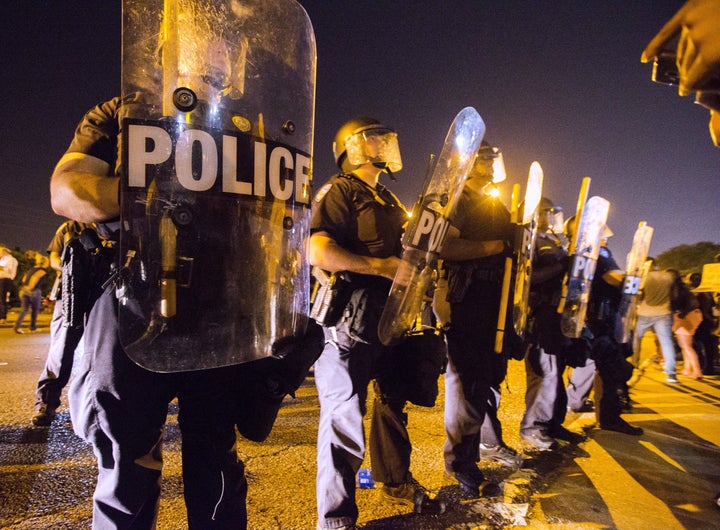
<point>330,294</point>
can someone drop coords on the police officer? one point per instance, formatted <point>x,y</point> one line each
<point>120,407</point>
<point>545,397</point>
<point>613,368</point>
<point>356,227</point>
<point>474,256</point>
<point>64,337</point>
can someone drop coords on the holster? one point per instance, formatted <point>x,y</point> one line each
<point>76,283</point>
<point>330,294</point>
<point>462,276</point>
<point>86,264</point>
<point>459,280</point>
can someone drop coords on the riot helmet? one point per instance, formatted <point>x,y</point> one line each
<point>546,205</point>
<point>488,164</point>
<point>365,140</point>
<point>551,216</point>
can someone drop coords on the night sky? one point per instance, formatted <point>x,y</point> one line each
<point>559,82</point>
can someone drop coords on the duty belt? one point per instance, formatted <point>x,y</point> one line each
<point>493,275</point>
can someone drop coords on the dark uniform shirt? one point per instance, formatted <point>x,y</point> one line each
<point>97,135</point>
<point>361,220</point>
<point>480,217</point>
<point>547,275</point>
<point>604,301</point>
<point>474,292</point>
<point>548,270</point>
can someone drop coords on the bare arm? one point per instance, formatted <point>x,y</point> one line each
<point>55,261</point>
<point>613,277</point>
<point>81,189</point>
<point>324,252</point>
<point>457,249</point>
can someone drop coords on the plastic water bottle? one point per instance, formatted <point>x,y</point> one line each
<point>364,479</point>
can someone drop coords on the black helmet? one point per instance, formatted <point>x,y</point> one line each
<point>388,157</point>
<point>487,151</point>
<point>488,164</point>
<point>546,205</point>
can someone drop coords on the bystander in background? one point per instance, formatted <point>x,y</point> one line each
<point>31,293</point>
<point>8,270</point>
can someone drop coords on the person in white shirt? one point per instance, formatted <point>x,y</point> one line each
<point>8,270</point>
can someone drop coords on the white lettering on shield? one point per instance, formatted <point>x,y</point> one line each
<point>583,267</point>
<point>279,172</point>
<point>631,285</point>
<point>430,231</point>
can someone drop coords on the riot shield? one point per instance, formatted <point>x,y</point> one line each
<point>572,238</point>
<point>425,235</point>
<point>524,247</point>
<point>582,265</point>
<point>217,130</point>
<point>634,268</point>
<point>507,276</point>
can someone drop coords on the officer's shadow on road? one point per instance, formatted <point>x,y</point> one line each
<point>29,445</point>
<point>20,435</point>
<point>674,464</point>
<point>32,456</point>
<point>21,448</point>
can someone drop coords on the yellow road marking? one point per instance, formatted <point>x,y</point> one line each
<point>618,488</point>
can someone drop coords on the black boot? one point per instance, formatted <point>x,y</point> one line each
<point>620,425</point>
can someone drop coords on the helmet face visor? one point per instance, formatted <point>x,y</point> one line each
<point>375,146</point>
<point>489,163</point>
<point>556,220</point>
<point>498,168</point>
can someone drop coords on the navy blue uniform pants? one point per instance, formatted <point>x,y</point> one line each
<point>471,349</point>
<point>613,370</point>
<point>121,409</point>
<point>59,362</point>
<point>342,375</point>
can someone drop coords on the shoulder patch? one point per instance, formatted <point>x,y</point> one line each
<point>322,192</point>
<point>604,252</point>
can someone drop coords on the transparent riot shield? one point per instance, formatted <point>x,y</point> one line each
<point>582,265</point>
<point>525,247</point>
<point>217,131</point>
<point>635,271</point>
<point>425,234</point>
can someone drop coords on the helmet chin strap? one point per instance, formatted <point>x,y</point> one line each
<point>386,169</point>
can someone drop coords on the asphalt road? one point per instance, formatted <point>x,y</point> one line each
<point>666,478</point>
